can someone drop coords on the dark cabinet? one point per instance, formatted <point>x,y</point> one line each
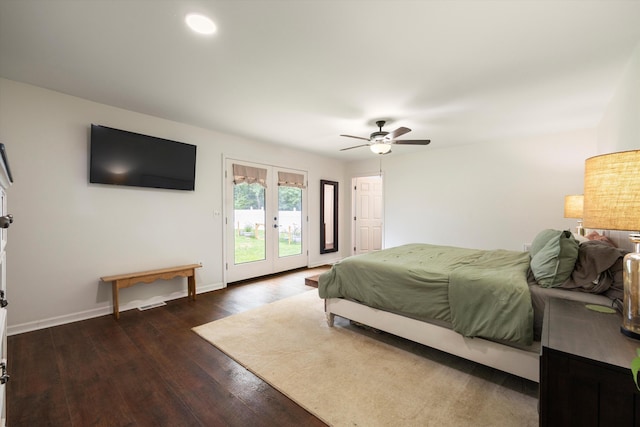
<point>585,375</point>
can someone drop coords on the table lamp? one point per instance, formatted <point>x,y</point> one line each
<point>573,208</point>
<point>612,202</point>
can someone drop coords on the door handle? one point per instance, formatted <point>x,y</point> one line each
<point>4,377</point>
<point>5,221</point>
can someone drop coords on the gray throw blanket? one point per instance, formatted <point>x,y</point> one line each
<point>597,270</point>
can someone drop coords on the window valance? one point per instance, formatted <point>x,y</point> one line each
<point>249,174</point>
<point>288,179</point>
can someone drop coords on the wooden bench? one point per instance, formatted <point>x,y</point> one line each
<point>312,280</point>
<point>120,281</point>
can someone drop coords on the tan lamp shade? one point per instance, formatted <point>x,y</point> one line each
<point>612,191</point>
<point>573,206</point>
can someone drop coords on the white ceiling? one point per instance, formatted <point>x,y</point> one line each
<point>300,73</point>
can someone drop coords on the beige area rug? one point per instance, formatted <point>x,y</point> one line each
<point>347,376</point>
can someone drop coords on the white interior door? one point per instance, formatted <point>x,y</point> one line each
<point>265,218</point>
<point>368,207</point>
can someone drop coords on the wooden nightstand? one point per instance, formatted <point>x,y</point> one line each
<point>585,375</point>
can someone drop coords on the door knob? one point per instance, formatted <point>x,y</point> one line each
<point>4,377</point>
<point>5,221</point>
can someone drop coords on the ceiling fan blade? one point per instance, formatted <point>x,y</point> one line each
<point>396,133</point>
<point>356,137</point>
<point>355,146</point>
<point>412,141</point>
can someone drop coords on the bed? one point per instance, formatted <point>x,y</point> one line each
<point>482,305</point>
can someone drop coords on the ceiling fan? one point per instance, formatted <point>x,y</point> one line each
<point>380,141</point>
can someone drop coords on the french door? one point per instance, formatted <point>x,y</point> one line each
<point>265,218</point>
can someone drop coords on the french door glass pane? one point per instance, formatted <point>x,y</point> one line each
<point>290,221</point>
<point>249,222</point>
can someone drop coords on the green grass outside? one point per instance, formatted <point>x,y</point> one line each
<point>250,249</point>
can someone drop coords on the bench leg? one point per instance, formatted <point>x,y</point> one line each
<point>116,306</point>
<point>191,287</point>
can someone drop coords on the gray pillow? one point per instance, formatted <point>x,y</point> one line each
<point>553,257</point>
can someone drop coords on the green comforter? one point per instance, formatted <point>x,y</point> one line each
<point>480,293</point>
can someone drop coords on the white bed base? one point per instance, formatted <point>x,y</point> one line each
<point>523,363</point>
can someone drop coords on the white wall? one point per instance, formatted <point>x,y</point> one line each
<point>67,233</point>
<point>619,129</point>
<point>495,195</point>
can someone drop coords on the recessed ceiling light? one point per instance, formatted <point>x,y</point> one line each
<point>200,23</point>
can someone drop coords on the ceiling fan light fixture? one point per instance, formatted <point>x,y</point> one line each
<point>380,141</point>
<point>380,148</point>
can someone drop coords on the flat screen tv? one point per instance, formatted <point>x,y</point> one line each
<point>120,157</point>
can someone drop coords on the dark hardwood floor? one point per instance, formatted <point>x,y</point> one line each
<point>149,368</point>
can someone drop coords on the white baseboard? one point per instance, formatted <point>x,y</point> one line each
<point>103,311</point>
